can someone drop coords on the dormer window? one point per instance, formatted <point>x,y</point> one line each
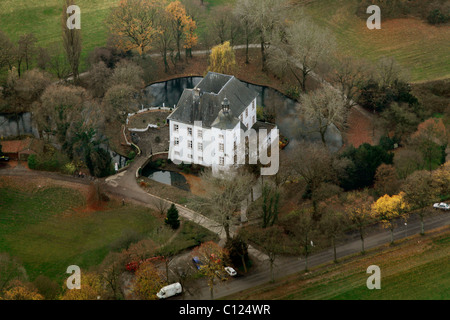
<point>225,105</point>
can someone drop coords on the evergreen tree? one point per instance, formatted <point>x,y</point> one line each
<point>172,217</point>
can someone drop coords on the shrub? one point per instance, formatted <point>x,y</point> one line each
<point>157,139</point>
<point>32,162</point>
<point>437,17</point>
<point>69,168</point>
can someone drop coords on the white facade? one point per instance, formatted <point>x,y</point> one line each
<point>193,143</point>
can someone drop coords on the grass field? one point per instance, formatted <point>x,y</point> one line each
<point>421,48</point>
<point>49,227</point>
<point>43,18</point>
<point>418,268</point>
<point>43,229</point>
<point>418,46</point>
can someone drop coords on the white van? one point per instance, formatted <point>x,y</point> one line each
<point>169,291</point>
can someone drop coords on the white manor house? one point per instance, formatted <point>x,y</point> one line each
<point>210,122</point>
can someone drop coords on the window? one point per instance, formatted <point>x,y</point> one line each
<point>190,144</point>
<point>200,146</point>
<point>254,104</point>
<point>254,120</point>
<point>189,131</point>
<point>246,112</point>
<point>200,134</point>
<point>222,161</point>
<point>221,136</point>
<point>200,159</point>
<point>190,156</point>
<point>221,147</point>
<point>176,141</point>
<point>242,118</point>
<point>175,127</point>
<point>177,153</point>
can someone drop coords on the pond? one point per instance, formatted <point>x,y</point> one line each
<point>167,94</point>
<point>167,177</point>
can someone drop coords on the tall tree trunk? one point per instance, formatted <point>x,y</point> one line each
<point>362,241</point>
<point>246,51</point>
<point>333,241</point>
<point>422,226</point>
<point>263,55</point>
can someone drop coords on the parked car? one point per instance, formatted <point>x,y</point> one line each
<point>4,158</point>
<point>442,206</point>
<point>231,271</point>
<point>169,291</point>
<point>197,262</point>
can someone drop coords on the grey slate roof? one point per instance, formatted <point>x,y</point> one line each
<point>206,106</point>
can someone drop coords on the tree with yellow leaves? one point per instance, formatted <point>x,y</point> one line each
<point>91,288</point>
<point>134,22</point>
<point>149,280</point>
<point>21,291</point>
<point>191,39</point>
<point>180,21</point>
<point>387,209</point>
<point>222,59</point>
<point>211,257</point>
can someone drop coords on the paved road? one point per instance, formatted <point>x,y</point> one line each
<point>124,185</point>
<point>288,266</point>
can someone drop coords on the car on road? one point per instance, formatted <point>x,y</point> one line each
<point>441,206</point>
<point>230,271</point>
<point>4,158</point>
<point>169,291</point>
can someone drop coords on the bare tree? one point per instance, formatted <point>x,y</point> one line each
<point>389,71</point>
<point>271,241</point>
<point>264,16</point>
<point>323,108</point>
<point>243,6</point>
<point>162,206</point>
<point>349,74</point>
<point>359,211</point>
<point>315,165</point>
<point>27,48</point>
<point>299,49</point>
<point>71,41</point>
<point>332,224</point>
<point>224,196</point>
<point>98,79</point>
<point>421,192</point>
<point>57,61</point>
<point>6,51</point>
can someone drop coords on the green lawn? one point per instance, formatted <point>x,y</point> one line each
<point>418,268</point>
<point>43,18</point>
<point>421,48</point>
<point>41,229</point>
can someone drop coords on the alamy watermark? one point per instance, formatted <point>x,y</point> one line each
<point>74,281</point>
<point>374,281</point>
<point>74,20</point>
<point>374,21</point>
